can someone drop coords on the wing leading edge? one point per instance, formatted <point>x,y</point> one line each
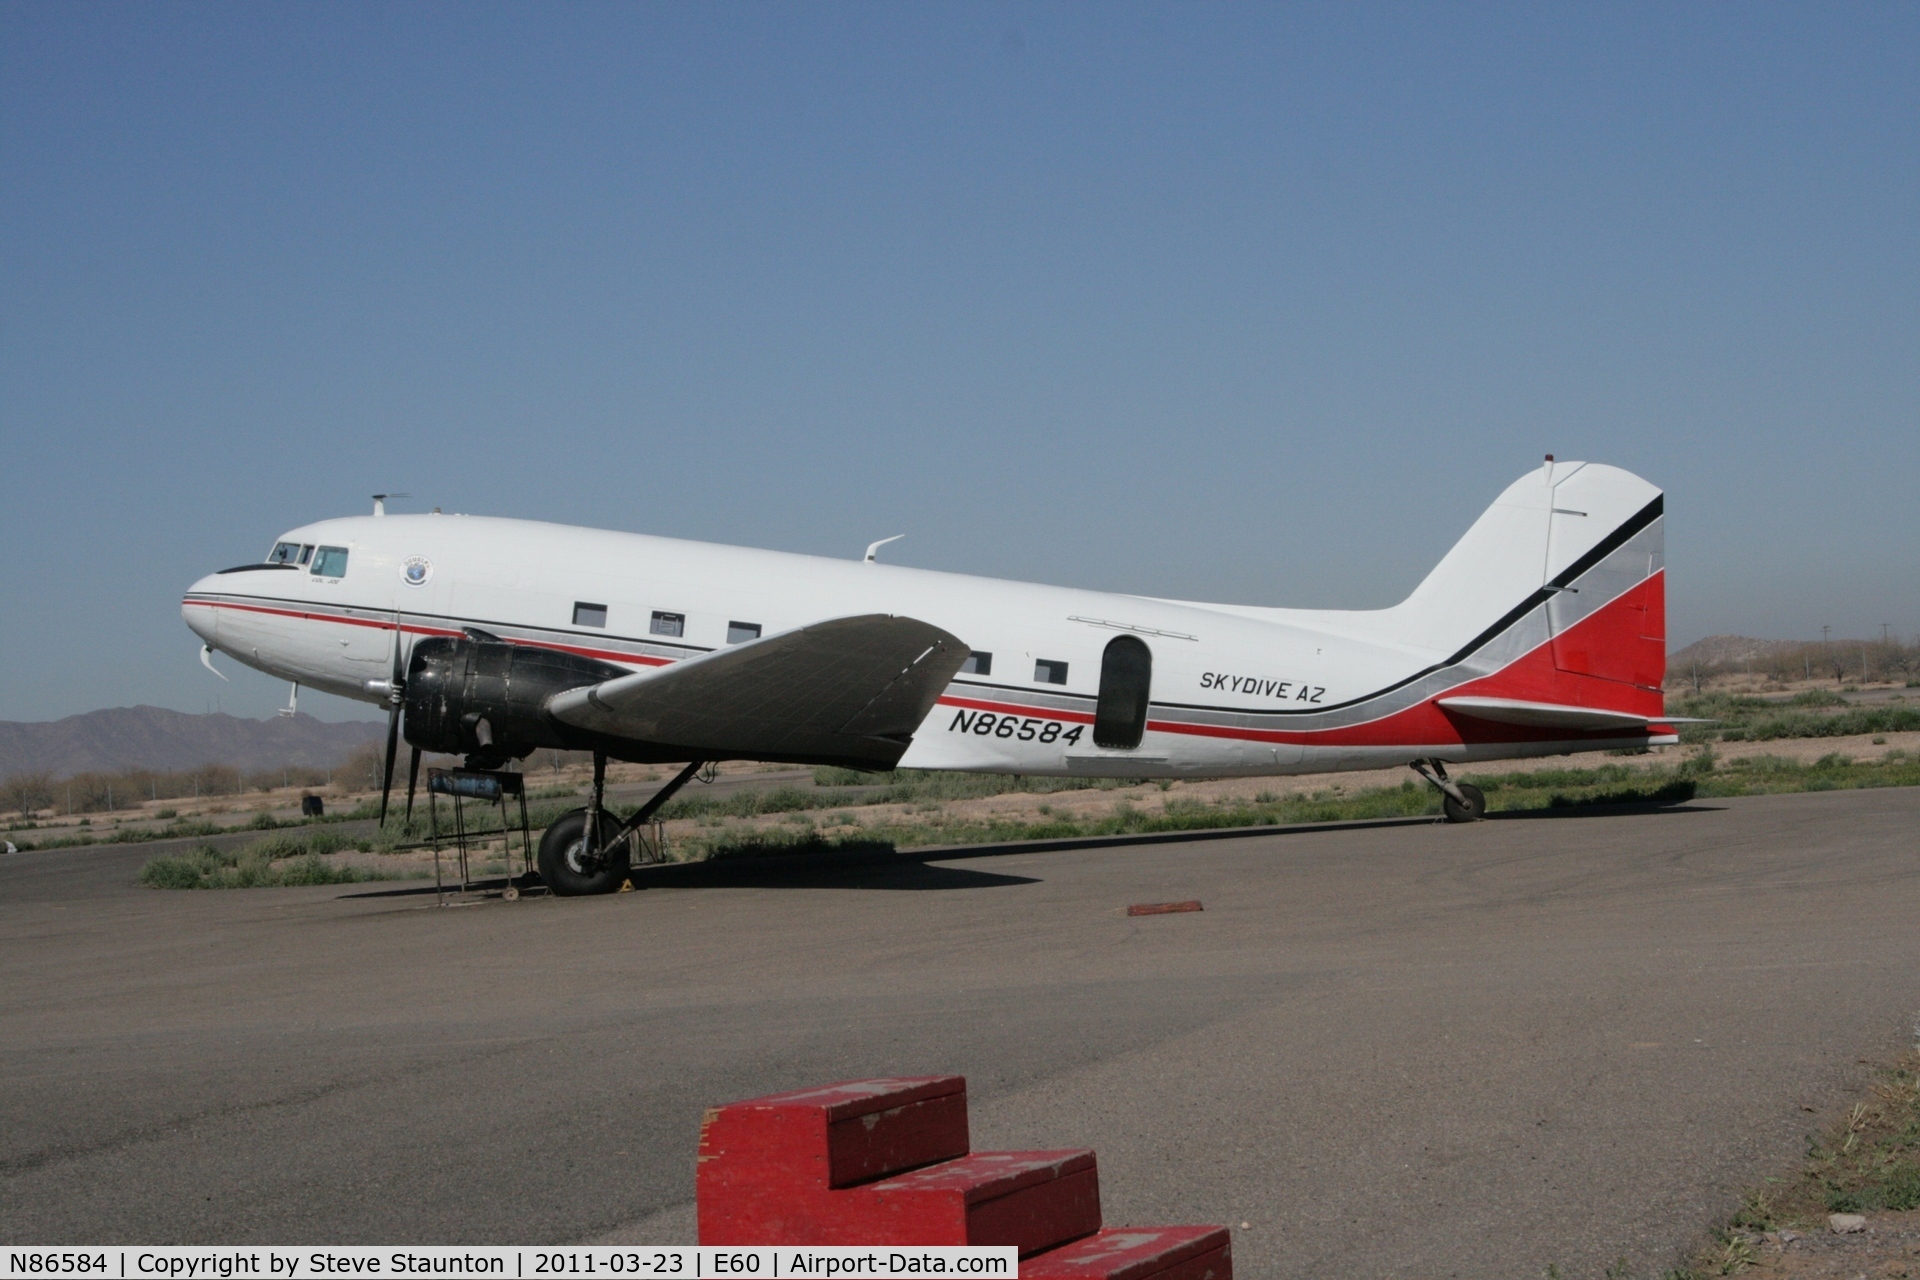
<point>846,691</point>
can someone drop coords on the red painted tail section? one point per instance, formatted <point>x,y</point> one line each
<point>1625,642</point>
<point>1614,659</point>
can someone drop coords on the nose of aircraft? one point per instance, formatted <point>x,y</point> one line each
<point>197,611</point>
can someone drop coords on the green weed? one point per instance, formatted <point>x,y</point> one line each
<point>274,861</point>
<point>1814,714</point>
<point>1866,1161</point>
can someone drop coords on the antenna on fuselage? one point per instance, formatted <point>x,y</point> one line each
<point>874,547</point>
<point>380,501</point>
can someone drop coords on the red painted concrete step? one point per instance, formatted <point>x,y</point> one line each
<point>769,1166</point>
<point>1033,1200</point>
<point>1138,1253</point>
<point>844,1133</point>
<point>886,1162</point>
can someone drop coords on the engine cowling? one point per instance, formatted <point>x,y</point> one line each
<point>487,698</point>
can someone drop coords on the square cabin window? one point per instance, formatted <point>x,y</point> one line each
<point>668,624</point>
<point>741,632</point>
<point>589,615</point>
<point>1048,671</point>
<point>330,562</point>
<point>978,663</point>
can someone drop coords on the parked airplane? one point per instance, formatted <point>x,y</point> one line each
<point>1543,631</point>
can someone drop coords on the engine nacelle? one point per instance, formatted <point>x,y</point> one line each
<point>487,698</point>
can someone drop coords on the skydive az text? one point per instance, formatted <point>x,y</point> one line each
<point>1259,688</point>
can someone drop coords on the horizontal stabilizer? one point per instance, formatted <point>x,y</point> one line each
<point>1552,715</point>
<point>846,691</point>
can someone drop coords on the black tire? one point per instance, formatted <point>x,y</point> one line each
<point>1472,811</point>
<point>563,867</point>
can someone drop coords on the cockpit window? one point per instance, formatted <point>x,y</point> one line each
<point>330,562</point>
<point>306,553</point>
<point>284,553</point>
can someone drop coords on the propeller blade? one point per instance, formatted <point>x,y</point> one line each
<point>394,686</point>
<point>393,745</point>
<point>413,777</point>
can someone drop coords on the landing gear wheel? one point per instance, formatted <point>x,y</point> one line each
<point>1472,811</point>
<point>567,869</point>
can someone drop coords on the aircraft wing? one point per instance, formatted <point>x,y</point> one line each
<point>1554,715</point>
<point>849,690</point>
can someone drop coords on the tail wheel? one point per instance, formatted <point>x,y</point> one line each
<point>1472,811</point>
<point>569,868</point>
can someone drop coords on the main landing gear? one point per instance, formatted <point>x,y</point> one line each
<point>587,850</point>
<point>1462,801</point>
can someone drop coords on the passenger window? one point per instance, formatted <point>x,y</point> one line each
<point>1126,673</point>
<point>978,663</point>
<point>330,562</point>
<point>1047,671</point>
<point>284,553</point>
<point>741,632</point>
<point>668,624</point>
<point>589,615</point>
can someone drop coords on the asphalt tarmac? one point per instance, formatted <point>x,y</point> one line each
<point>1405,1049</point>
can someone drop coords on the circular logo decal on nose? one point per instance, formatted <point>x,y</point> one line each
<point>416,570</point>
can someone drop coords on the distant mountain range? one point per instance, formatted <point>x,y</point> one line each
<point>1727,651</point>
<point>154,738</point>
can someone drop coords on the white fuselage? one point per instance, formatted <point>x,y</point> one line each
<point>1234,690</point>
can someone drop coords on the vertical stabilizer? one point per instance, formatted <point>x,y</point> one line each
<point>1574,537</point>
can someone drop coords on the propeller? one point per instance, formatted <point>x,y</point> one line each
<point>413,777</point>
<point>396,698</point>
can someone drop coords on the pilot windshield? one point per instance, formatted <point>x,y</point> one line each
<point>284,553</point>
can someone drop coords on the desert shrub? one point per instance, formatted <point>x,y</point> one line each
<point>269,862</point>
<point>27,792</point>
<point>188,871</point>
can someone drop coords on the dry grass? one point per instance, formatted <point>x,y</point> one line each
<point>1867,1161</point>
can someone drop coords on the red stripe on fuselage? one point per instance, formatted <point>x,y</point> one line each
<point>606,655</point>
<point>1016,709</point>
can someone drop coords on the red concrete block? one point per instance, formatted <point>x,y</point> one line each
<point>1138,1253</point>
<point>1032,1200</point>
<point>767,1165</point>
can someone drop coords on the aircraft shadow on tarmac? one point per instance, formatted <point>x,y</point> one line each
<point>880,869</point>
<point>1602,811</point>
<point>826,872</point>
<point>897,872</point>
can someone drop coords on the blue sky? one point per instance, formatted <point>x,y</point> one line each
<point>1246,302</point>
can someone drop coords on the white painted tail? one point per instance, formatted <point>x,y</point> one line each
<point>1540,528</point>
